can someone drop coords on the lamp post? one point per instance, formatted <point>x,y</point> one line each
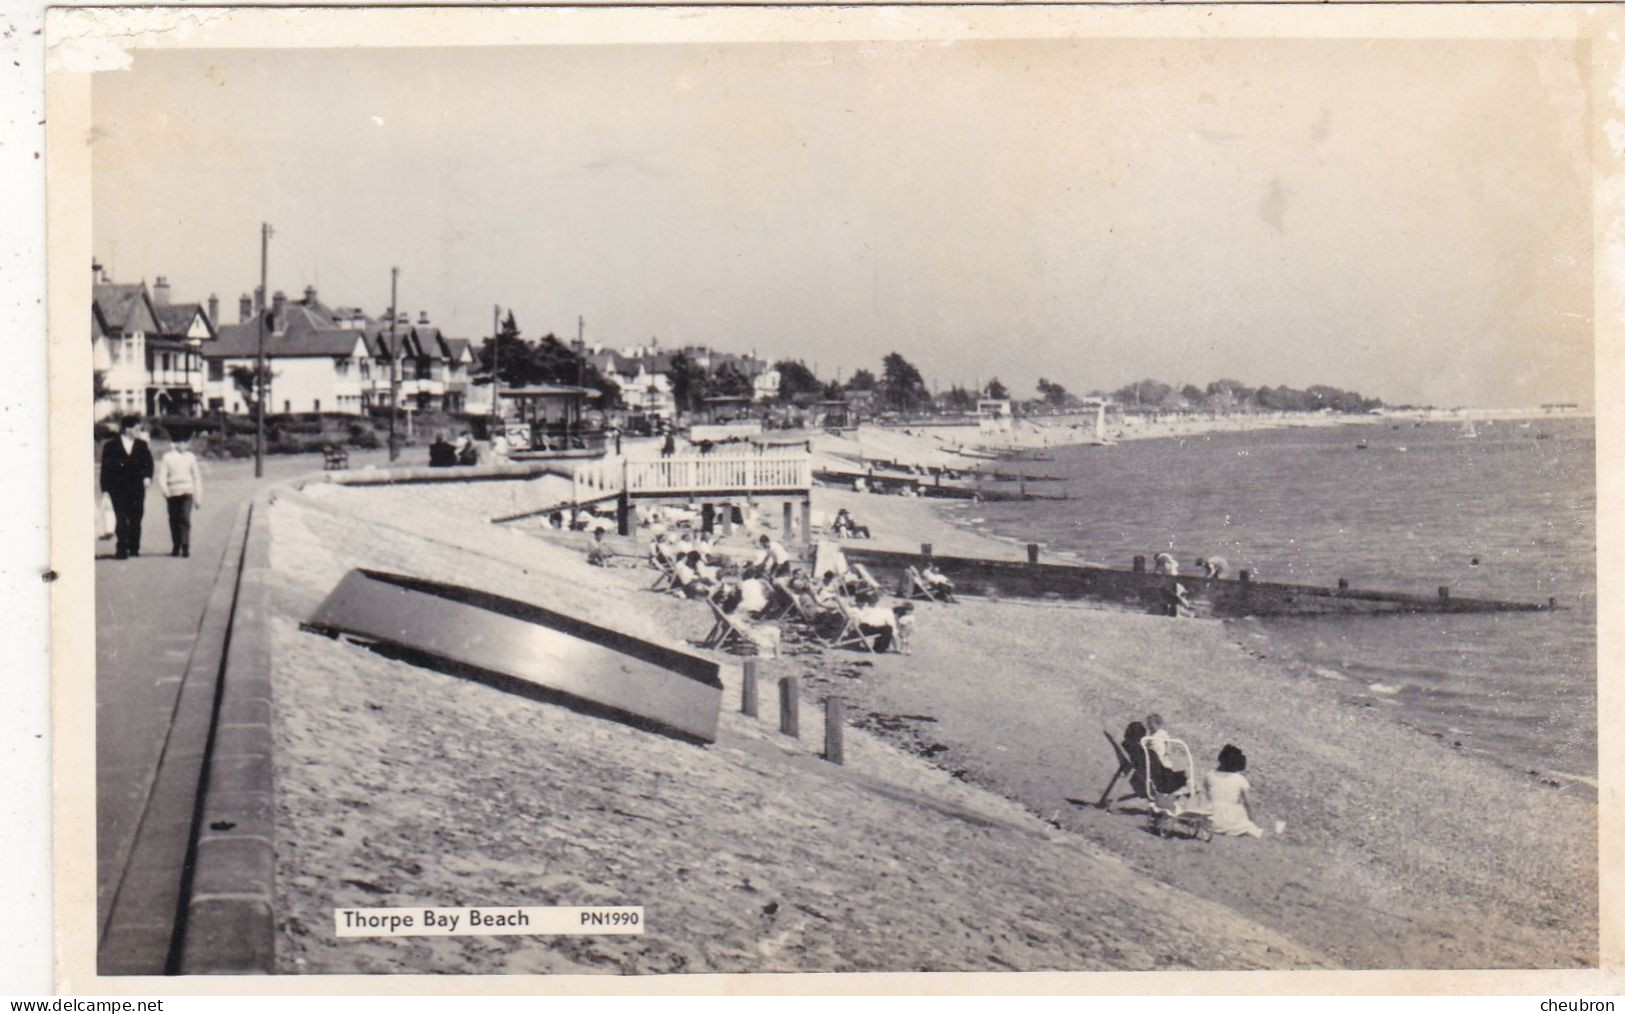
<point>394,369</point>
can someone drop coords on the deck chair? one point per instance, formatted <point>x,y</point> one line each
<point>849,633</point>
<point>666,580</point>
<point>917,587</point>
<point>1125,766</point>
<point>868,578</point>
<point>726,633</point>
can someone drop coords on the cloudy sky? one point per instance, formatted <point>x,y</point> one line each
<point>1407,218</point>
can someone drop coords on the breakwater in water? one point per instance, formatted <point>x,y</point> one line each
<point>1509,514</point>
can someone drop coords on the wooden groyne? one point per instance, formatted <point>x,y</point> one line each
<point>1140,590</point>
<point>929,486</point>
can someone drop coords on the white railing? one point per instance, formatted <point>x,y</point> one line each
<point>710,473</point>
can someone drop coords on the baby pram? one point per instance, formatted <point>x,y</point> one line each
<point>1181,811</point>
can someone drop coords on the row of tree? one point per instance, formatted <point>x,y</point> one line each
<point>1233,395</point>
<point>899,387</point>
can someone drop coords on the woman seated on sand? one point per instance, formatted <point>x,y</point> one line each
<point>1227,790</point>
<point>1166,776</point>
<point>598,554</point>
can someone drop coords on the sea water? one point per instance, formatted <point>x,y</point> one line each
<point>1508,513</point>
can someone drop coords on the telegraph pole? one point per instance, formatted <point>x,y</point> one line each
<point>394,369</point>
<point>259,358</point>
<point>496,356</point>
<point>581,348</point>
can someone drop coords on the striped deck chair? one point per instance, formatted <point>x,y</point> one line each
<point>849,634</point>
<point>726,633</point>
<point>666,580</point>
<point>917,587</point>
<point>868,578</point>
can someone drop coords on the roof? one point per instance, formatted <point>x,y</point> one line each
<point>458,347</point>
<point>240,341</point>
<point>176,318</point>
<point>124,307</point>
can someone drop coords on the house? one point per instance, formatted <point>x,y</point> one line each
<point>315,364</point>
<point>644,379</point>
<point>424,362</point>
<point>122,318</point>
<point>176,382</point>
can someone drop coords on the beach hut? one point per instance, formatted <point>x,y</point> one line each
<point>550,421</point>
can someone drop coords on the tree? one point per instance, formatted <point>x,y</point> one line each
<point>101,390</point>
<point>901,386</point>
<point>242,378</point>
<point>1146,392</point>
<point>728,380</point>
<point>1192,394</point>
<point>796,381</point>
<point>834,392</point>
<point>512,354</point>
<point>553,362</point>
<point>1055,395</point>
<point>958,399</point>
<point>862,380</point>
<point>995,389</point>
<point>687,382</point>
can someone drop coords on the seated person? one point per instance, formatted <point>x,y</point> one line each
<point>754,595</point>
<point>441,453</point>
<point>1179,603</point>
<point>598,554</point>
<point>705,546</point>
<point>467,452</point>
<point>1134,748</point>
<point>660,550</point>
<point>688,581</point>
<point>1166,564</point>
<point>1213,566</point>
<point>703,569</point>
<point>938,582</point>
<point>1166,776</point>
<point>876,621</point>
<point>1227,790</point>
<point>683,544</point>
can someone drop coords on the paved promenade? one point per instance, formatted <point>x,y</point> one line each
<point>147,615</point>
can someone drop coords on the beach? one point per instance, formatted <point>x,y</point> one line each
<point>960,834</point>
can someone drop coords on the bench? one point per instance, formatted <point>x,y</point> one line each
<point>335,457</point>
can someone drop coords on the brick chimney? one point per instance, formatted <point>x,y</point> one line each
<point>310,295</point>
<point>423,316</point>
<point>214,309</point>
<point>95,271</point>
<point>245,308</point>
<point>160,291</point>
<point>279,311</point>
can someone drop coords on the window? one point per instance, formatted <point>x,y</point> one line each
<point>423,369</point>
<point>217,369</point>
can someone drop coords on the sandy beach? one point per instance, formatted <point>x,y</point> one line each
<point>965,809</point>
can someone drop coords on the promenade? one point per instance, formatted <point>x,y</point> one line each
<point>147,615</point>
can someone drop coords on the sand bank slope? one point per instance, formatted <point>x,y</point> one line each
<point>398,786</point>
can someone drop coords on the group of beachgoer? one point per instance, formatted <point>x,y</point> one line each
<point>444,454</point>
<point>1159,769</point>
<point>1178,601</point>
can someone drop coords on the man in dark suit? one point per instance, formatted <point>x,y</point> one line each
<point>126,474</point>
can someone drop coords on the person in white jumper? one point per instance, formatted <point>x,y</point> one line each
<point>180,481</point>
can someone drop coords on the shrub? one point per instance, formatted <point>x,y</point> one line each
<point>364,438</point>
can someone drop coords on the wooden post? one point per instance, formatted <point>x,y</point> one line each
<point>1246,576</point>
<point>925,550</point>
<point>790,706</point>
<point>1139,565</point>
<point>789,521</point>
<point>1032,552</point>
<point>806,522</point>
<point>1444,591</point>
<point>1342,584</point>
<point>708,518</point>
<point>834,725</point>
<point>727,520</point>
<point>747,699</point>
<point>623,513</point>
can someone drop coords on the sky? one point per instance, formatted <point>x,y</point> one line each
<point>1407,218</point>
